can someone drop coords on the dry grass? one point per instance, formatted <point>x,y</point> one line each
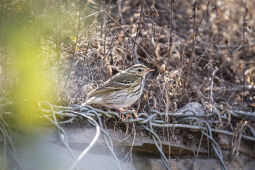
<point>204,52</point>
<point>201,51</point>
<point>217,52</point>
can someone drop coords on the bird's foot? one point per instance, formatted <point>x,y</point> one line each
<point>125,117</point>
<point>135,113</point>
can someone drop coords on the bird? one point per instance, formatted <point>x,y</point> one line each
<point>121,90</point>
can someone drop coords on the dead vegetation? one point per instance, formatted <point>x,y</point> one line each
<point>202,51</point>
<point>213,64</point>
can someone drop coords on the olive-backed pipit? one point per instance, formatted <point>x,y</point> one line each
<point>121,90</point>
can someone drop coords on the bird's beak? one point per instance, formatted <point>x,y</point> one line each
<point>150,70</point>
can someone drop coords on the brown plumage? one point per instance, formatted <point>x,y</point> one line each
<point>121,90</point>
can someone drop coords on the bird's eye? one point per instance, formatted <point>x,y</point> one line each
<point>139,70</point>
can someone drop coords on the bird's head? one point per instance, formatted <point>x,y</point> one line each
<point>139,70</point>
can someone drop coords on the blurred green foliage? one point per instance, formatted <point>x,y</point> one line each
<point>31,39</point>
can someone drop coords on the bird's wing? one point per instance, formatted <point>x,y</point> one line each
<point>118,82</point>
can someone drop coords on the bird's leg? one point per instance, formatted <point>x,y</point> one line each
<point>129,115</point>
<point>122,117</point>
<point>134,111</point>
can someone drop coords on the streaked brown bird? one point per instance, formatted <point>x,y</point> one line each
<point>121,90</point>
